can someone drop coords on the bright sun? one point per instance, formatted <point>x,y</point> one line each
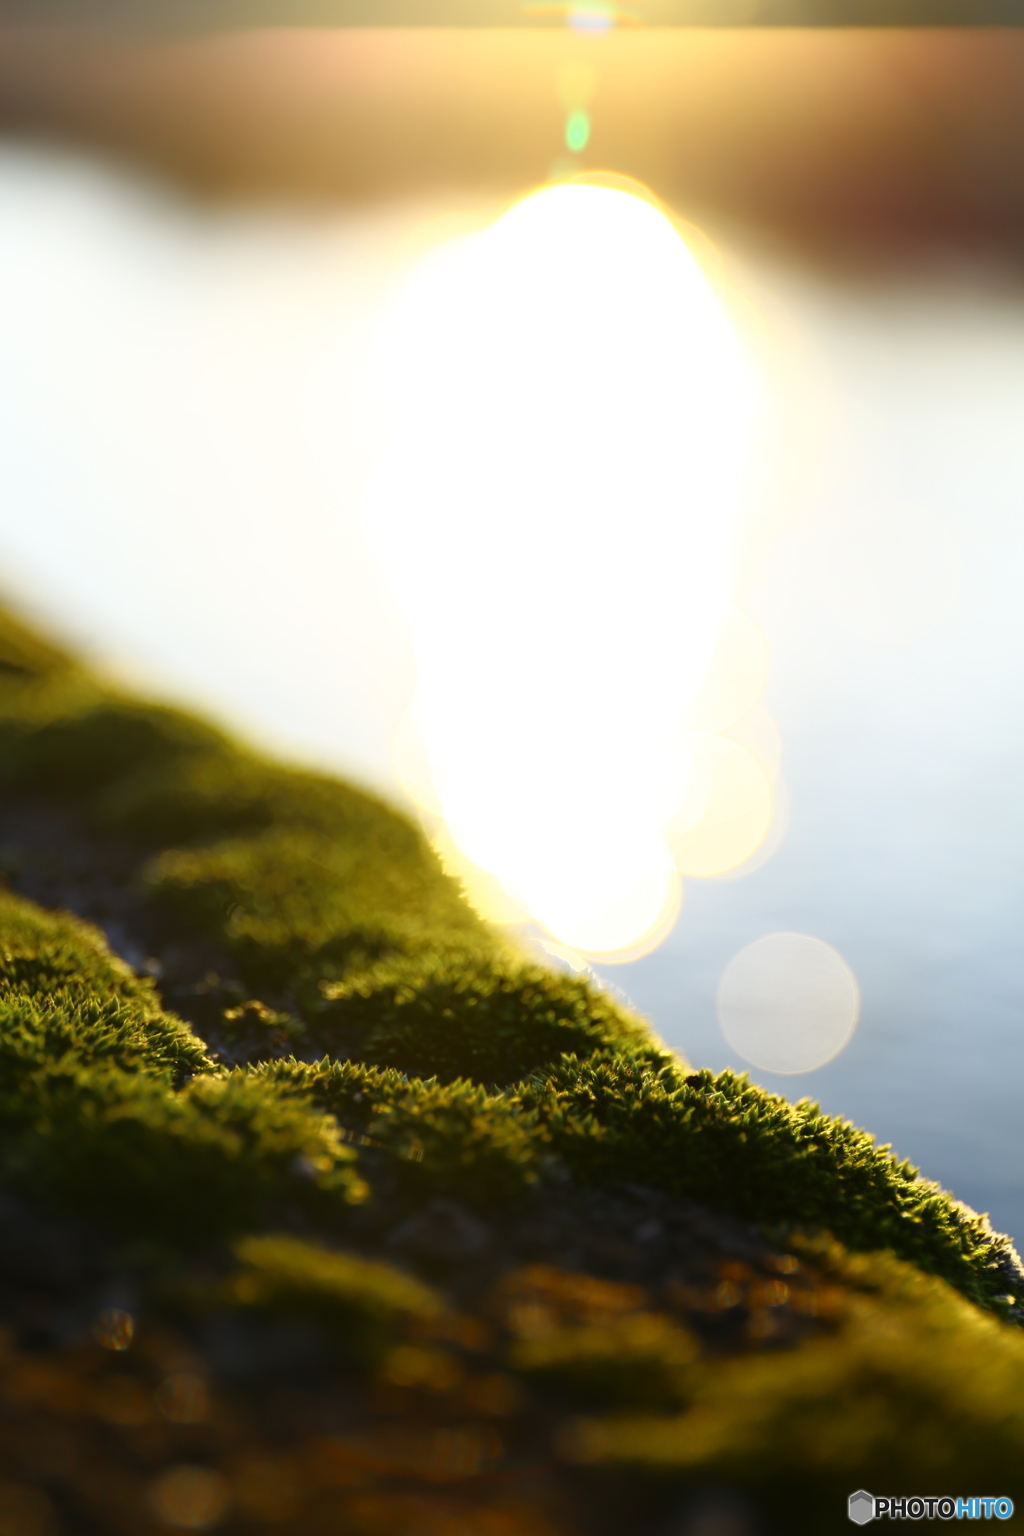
<point>557,512</point>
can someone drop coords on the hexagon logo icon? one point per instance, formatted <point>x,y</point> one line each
<point>862,1507</point>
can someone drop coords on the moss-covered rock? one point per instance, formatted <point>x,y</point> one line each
<point>322,1126</point>
<point>489,1019</point>
<point>362,1303</point>
<point>722,1140</point>
<point>912,1389</point>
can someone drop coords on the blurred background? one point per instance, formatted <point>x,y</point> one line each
<point>606,440</point>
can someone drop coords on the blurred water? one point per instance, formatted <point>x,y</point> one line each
<point>186,426</point>
<point>903,762</point>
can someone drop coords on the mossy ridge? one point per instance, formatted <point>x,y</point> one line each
<point>491,1021</point>
<point>294,906</point>
<point>96,1120</point>
<point>112,1109</point>
<point>297,875</point>
<point>732,1145</point>
<point>26,656</point>
<point>330,897</point>
<point>184,1168</point>
<point>64,996</point>
<point>430,1138</point>
<point>719,1140</point>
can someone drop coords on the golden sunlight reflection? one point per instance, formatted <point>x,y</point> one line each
<point>557,515</point>
<point>788,1003</point>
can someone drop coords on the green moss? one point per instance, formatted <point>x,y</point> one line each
<point>354,943</point>
<point>279,1268</point>
<point>24,654</point>
<point>451,1066</point>
<point>361,1302</point>
<point>730,1144</point>
<point>434,1138</point>
<point>359,1307</point>
<point>718,1140</point>
<point>488,1020</point>
<point>140,1159</point>
<point>77,755</point>
<point>110,1107</point>
<point>299,876</point>
<point>222,787</point>
<point>640,1360</point>
<point>293,905</point>
<point>914,1390</point>
<point>64,997</point>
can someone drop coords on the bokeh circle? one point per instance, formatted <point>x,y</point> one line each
<point>788,1002</point>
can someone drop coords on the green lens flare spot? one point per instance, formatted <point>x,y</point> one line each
<point>577,131</point>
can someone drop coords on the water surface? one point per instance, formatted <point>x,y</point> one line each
<point>186,428</point>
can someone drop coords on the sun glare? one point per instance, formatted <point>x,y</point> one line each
<point>557,515</point>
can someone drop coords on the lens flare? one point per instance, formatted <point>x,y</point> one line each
<point>557,515</point>
<point>577,131</point>
<point>788,1002</point>
<point>727,812</point>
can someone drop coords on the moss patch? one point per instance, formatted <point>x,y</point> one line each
<point>357,1117</point>
<point>490,1020</point>
<point>727,1142</point>
<point>921,1390</point>
<point>356,947</point>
